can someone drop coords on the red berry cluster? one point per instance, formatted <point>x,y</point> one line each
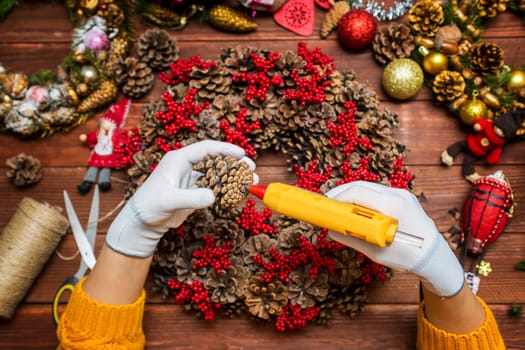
<point>166,145</point>
<point>179,71</point>
<point>295,317</point>
<point>256,223</point>
<point>400,178</point>
<point>178,116</point>
<point>371,271</point>
<point>237,135</point>
<point>311,88</point>
<point>212,256</point>
<point>311,178</point>
<point>344,131</point>
<point>260,82</point>
<point>281,266</point>
<point>131,143</point>
<point>361,173</point>
<point>195,294</point>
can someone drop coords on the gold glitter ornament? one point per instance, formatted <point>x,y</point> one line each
<point>434,62</point>
<point>516,80</point>
<point>473,109</point>
<point>225,18</point>
<point>104,94</point>
<point>402,78</point>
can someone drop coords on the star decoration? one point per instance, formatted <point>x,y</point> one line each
<point>484,268</point>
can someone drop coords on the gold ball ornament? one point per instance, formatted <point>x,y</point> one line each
<point>402,78</point>
<point>517,79</point>
<point>471,110</point>
<point>89,74</point>
<point>435,62</point>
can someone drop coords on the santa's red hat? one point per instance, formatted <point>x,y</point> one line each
<point>118,112</point>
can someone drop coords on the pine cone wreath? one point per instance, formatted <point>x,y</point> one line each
<point>24,170</point>
<point>393,42</point>
<point>157,49</point>
<point>134,77</point>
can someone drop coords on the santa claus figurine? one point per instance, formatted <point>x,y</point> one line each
<point>102,143</point>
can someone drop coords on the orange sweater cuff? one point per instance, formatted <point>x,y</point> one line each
<point>486,337</point>
<point>88,323</point>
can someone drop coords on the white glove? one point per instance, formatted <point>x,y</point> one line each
<point>433,261</point>
<point>166,198</point>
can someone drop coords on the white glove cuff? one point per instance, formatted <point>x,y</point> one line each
<point>129,235</point>
<point>440,270</point>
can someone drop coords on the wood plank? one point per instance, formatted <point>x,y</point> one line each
<point>169,327</point>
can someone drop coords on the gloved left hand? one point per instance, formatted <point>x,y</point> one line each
<point>166,198</point>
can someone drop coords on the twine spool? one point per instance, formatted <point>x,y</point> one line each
<point>26,244</point>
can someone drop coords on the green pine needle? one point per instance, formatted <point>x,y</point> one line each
<point>6,6</point>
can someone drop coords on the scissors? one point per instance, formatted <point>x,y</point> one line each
<point>86,244</point>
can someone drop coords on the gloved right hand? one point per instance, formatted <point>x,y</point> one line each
<point>166,198</point>
<point>433,261</point>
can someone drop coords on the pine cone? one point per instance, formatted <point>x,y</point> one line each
<point>304,291</point>
<point>225,18</point>
<point>134,77</point>
<point>265,299</point>
<point>333,16</point>
<point>157,49</point>
<point>486,58</point>
<point>24,170</point>
<point>448,86</point>
<point>105,93</point>
<point>227,177</point>
<point>211,83</point>
<point>228,286</point>
<point>113,15</point>
<point>393,42</point>
<point>426,17</point>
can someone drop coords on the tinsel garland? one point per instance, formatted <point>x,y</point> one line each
<point>381,12</point>
<point>330,127</point>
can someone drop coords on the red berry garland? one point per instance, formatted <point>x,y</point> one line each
<point>328,143</point>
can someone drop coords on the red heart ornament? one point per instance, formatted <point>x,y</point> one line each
<point>297,16</point>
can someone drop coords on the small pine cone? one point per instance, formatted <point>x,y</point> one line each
<point>134,77</point>
<point>304,291</point>
<point>426,17</point>
<point>113,15</point>
<point>225,18</point>
<point>393,42</point>
<point>61,116</point>
<point>227,177</point>
<point>119,49</point>
<point>24,170</point>
<point>486,58</point>
<point>105,93</point>
<point>448,86</point>
<point>333,16</point>
<point>157,49</point>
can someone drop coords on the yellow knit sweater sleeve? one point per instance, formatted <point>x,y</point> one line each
<point>88,324</point>
<point>486,337</point>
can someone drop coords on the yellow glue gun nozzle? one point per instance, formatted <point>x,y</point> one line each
<point>341,217</point>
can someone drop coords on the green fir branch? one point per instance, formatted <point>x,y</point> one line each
<point>6,6</point>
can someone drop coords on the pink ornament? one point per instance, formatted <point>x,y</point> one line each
<point>96,40</point>
<point>38,95</point>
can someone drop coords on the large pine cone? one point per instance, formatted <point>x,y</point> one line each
<point>227,177</point>
<point>134,77</point>
<point>486,58</point>
<point>426,17</point>
<point>24,170</point>
<point>157,49</point>
<point>393,42</point>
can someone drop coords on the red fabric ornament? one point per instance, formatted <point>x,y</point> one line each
<point>324,4</point>
<point>297,16</point>
<point>486,211</point>
<point>356,29</point>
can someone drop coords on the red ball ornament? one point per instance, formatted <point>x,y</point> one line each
<point>356,29</point>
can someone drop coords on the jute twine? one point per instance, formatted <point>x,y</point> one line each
<point>26,244</point>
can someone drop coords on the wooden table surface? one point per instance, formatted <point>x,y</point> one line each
<point>37,35</point>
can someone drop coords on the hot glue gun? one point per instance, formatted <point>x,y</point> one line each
<point>341,217</point>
